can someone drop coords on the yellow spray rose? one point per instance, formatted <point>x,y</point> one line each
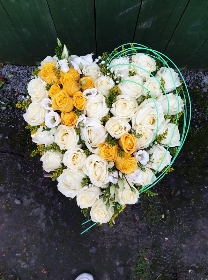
<point>86,82</point>
<point>74,73</point>
<point>48,73</point>
<point>55,88</point>
<point>108,151</point>
<point>79,100</point>
<point>69,83</point>
<point>62,102</point>
<point>126,164</point>
<point>128,143</point>
<point>69,119</point>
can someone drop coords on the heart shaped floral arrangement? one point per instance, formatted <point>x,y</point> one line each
<point>107,129</point>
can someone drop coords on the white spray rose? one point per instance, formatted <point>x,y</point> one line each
<point>96,107</point>
<point>49,59</point>
<point>170,78</point>
<point>97,170</point>
<point>64,65</point>
<point>117,127</point>
<point>142,156</point>
<point>172,139</point>
<point>159,157</point>
<point>37,89</point>
<point>124,107</point>
<point>143,64</point>
<point>87,196</point>
<point>74,158</point>
<point>69,182</point>
<point>35,114</point>
<point>132,86</point>
<point>51,160</point>
<point>93,133</point>
<point>126,194</point>
<point>120,66</point>
<point>43,137</point>
<point>152,86</point>
<point>103,84</point>
<point>52,119</point>
<point>99,212</point>
<point>92,70</point>
<point>66,137</point>
<point>172,104</point>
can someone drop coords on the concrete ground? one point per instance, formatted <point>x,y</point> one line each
<point>162,237</point>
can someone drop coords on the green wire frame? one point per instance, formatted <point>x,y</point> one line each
<point>129,49</point>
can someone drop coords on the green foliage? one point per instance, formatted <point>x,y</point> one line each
<point>111,98</point>
<point>41,149</point>
<point>57,72</point>
<point>57,173</point>
<point>162,136</point>
<point>173,150</point>
<point>137,135</point>
<point>141,166</point>
<point>110,140</point>
<point>105,119</point>
<point>85,211</point>
<point>58,49</point>
<point>48,86</point>
<point>35,71</point>
<point>23,105</point>
<point>1,83</point>
<point>120,152</point>
<point>85,181</point>
<point>142,268</point>
<point>150,193</point>
<point>32,128</point>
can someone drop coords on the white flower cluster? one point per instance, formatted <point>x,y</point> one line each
<point>143,108</point>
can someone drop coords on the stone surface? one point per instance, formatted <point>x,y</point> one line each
<point>40,239</point>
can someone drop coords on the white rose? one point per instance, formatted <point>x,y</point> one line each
<point>79,62</point>
<point>87,196</point>
<point>146,136</point>
<point>93,133</point>
<point>126,194</point>
<point>99,212</point>
<point>148,177</point>
<point>170,78</point>
<point>143,64</point>
<point>159,157</point>
<point>152,87</point>
<point>172,104</point>
<point>52,119</point>
<point>35,114</point>
<point>51,160</point>
<point>64,65</point>
<point>149,114</point>
<point>132,86</point>
<point>172,139</point>
<point>124,107</point>
<point>96,107</point>
<point>117,127</point>
<point>103,84</point>
<point>66,137</point>
<point>92,70</point>
<point>120,66</point>
<point>142,156</point>
<point>74,158</point>
<point>49,59</point>
<point>97,170</point>
<point>43,137</point>
<point>69,182</point>
<point>36,89</point>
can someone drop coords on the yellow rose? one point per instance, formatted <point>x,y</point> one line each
<point>69,119</point>
<point>62,102</point>
<point>69,83</point>
<point>74,73</point>
<point>79,100</point>
<point>48,73</point>
<point>108,151</point>
<point>126,164</point>
<point>54,89</point>
<point>128,143</point>
<point>86,82</point>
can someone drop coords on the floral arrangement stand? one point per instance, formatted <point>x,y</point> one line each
<point>110,129</point>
